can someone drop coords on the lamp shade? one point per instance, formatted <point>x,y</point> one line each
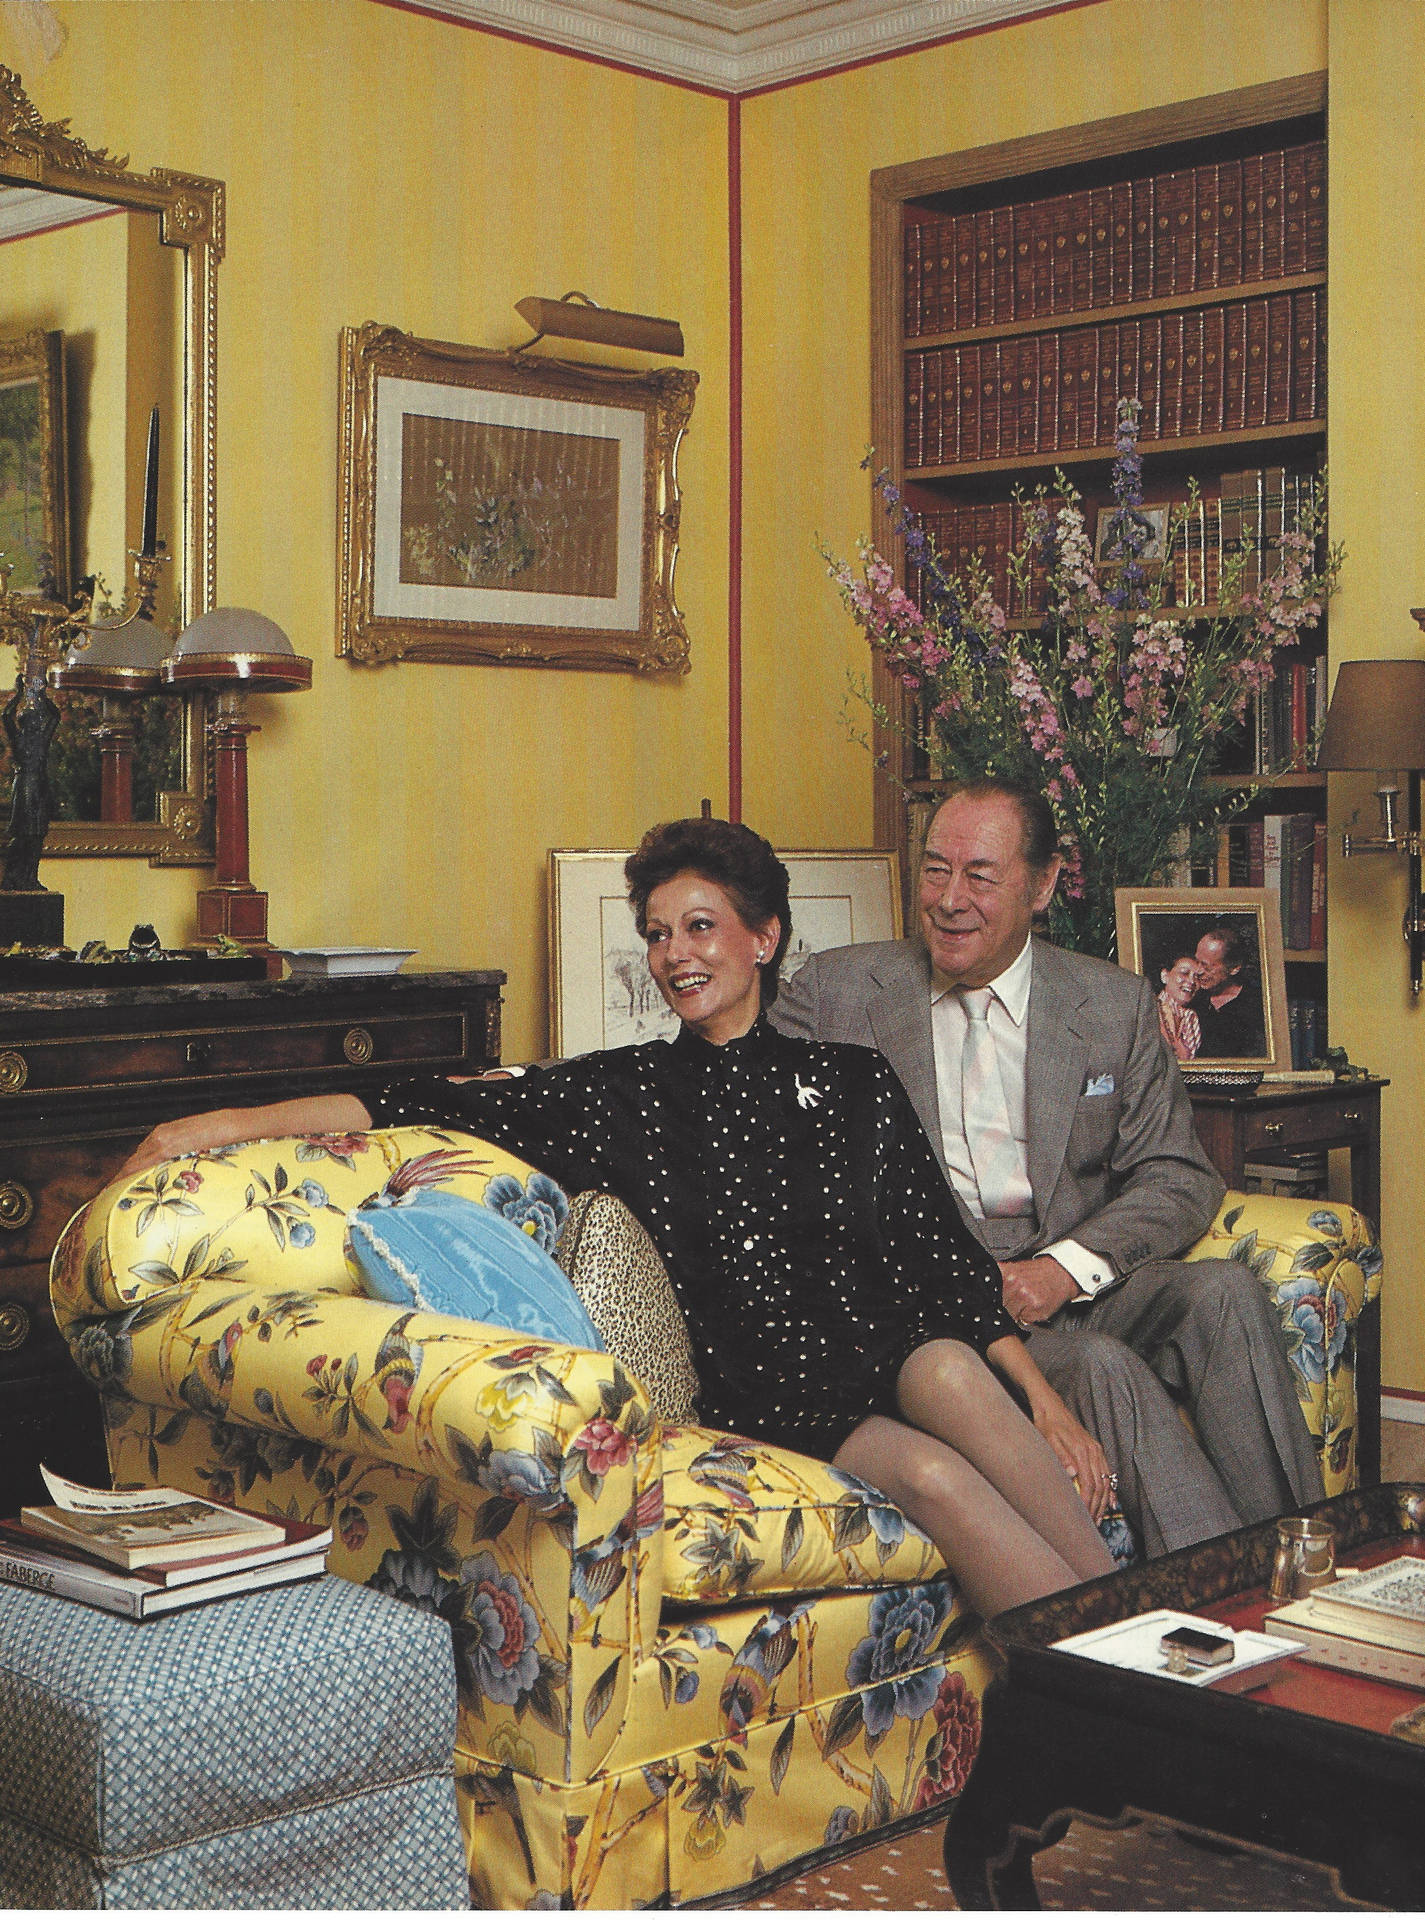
<point>236,647</point>
<point>1377,717</point>
<point>122,656</point>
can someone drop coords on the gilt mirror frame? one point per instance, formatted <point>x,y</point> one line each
<point>46,154</point>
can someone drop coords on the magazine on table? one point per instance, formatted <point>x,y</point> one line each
<point>149,1526</point>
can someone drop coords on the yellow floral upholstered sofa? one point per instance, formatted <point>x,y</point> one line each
<point>684,1659</point>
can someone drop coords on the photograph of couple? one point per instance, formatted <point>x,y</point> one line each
<point>1210,970</point>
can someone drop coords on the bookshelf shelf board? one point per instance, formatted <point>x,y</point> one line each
<point>1070,457</point>
<point>1306,778</point>
<point>1128,310</point>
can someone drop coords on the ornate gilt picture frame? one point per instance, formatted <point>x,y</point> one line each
<point>34,506</point>
<point>503,507</point>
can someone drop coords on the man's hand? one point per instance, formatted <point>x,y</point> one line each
<point>1035,1289</point>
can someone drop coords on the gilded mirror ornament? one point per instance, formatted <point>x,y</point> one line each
<point>54,190</point>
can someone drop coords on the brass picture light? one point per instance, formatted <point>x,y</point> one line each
<point>1376,722</point>
<point>574,316</point>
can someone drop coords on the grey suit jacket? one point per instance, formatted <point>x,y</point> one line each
<point>1119,1169</point>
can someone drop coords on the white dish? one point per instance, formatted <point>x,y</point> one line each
<point>335,960</point>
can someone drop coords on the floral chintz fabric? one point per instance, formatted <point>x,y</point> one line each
<point>683,1657</point>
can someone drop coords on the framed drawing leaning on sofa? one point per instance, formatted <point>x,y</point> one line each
<point>1213,956</point>
<point>601,993</point>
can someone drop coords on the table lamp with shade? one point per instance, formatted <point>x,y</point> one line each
<point>232,652</point>
<point>1376,723</point>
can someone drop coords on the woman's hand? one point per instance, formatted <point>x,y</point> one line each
<point>1080,1453</point>
<point>172,1139</point>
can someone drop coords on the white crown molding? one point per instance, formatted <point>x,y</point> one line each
<point>31,210</point>
<point>735,46</point>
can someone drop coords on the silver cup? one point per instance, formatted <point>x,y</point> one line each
<point>1306,1555</point>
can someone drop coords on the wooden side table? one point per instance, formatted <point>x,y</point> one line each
<point>1234,1125</point>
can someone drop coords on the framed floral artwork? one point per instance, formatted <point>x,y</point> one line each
<point>504,507</point>
<point>34,505</point>
<point>1213,957</point>
<point>601,993</point>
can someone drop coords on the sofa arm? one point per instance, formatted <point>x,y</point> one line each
<point>1321,1266</point>
<point>512,1483</point>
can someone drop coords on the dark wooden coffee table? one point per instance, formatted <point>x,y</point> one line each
<point>1303,1766</point>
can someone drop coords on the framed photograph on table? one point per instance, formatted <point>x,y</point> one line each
<point>1213,957</point>
<point>601,993</point>
<point>507,507</point>
<point>34,499</point>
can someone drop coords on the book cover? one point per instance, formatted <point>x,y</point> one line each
<point>177,1527</point>
<point>1101,246</point>
<point>1273,213</point>
<point>299,1538</point>
<point>1279,350</point>
<point>1391,1595</point>
<point>1214,323</point>
<point>1234,366</point>
<point>1229,223</point>
<point>1338,1642</point>
<point>1136,1644</point>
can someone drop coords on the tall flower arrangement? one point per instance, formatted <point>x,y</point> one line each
<point>1114,704</point>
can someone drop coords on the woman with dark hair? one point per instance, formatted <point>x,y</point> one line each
<point>835,1301</point>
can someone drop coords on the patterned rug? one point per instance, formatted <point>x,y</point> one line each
<point>1143,1865</point>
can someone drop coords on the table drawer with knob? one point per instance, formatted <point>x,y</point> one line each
<point>1340,1122</point>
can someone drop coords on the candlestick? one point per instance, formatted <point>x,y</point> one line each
<point>150,497</point>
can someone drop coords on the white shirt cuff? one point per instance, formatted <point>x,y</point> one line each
<point>1090,1272</point>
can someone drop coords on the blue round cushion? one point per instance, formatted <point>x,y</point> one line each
<point>446,1254</point>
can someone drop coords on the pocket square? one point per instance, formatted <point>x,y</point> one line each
<point>1100,1083</point>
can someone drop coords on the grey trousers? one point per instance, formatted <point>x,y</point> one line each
<point>1201,1334</point>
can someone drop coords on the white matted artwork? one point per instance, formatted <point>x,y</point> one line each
<point>601,993</point>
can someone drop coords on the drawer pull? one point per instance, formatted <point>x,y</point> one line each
<point>198,1052</point>
<point>17,1205</point>
<point>1274,1129</point>
<point>14,1326</point>
<point>358,1046</point>
<point>1351,1119</point>
<point>14,1072</point>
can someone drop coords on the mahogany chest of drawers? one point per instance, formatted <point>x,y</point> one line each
<point>85,1073</point>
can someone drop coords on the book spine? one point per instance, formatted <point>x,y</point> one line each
<point>1273,214</point>
<point>1294,210</point>
<point>984,268</point>
<point>1128,366</point>
<point>1301,849</point>
<point>1150,360</point>
<point>1172,206</point>
<point>1190,418</point>
<point>1318,888</point>
<point>1234,366</point>
<point>1101,246</point>
<point>1009,355</point>
<point>914,409</point>
<point>1106,415</point>
<point>1214,326</point>
<point>1256,852</point>
<point>1142,245</point>
<point>69,1583</point>
<point>1279,348</point>
<point>1315,176</point>
<point>1042,254</point>
<point>1061,259</point>
<point>1229,223</point>
<point>1080,259</point>
<point>1022,255</point>
<point>1172,375</point>
<point>1273,830</point>
<point>1252,217</point>
<point>989,399</point>
<point>914,267</point>
<point>1207,197</point>
<point>1002,265</point>
<point>1256,390</point>
<point>967,429</point>
<point>957,261</point>
<point>1353,1656</point>
<point>1304,400</point>
<point>1028,432</point>
<point>1120,234</point>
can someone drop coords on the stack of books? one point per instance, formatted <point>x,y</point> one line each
<point>1370,1622</point>
<point>152,1551</point>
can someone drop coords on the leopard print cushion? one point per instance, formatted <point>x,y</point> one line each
<point>614,1268</point>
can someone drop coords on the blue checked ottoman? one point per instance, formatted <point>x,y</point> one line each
<point>289,1748</point>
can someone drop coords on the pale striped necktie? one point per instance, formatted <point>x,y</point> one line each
<point>994,1152</point>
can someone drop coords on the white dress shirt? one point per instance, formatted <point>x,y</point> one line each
<point>1009,1028</point>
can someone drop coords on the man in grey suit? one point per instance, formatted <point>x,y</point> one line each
<point>1066,1134</point>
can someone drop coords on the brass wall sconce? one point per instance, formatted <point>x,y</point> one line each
<point>574,316</point>
<point>1376,722</point>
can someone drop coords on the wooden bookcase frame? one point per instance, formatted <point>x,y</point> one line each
<point>1300,97</point>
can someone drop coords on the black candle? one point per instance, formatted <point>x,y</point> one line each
<point>150,492</point>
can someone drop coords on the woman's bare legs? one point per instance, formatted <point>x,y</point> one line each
<point>976,1476</point>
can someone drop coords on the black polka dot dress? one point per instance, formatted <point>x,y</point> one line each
<point>807,1230</point>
